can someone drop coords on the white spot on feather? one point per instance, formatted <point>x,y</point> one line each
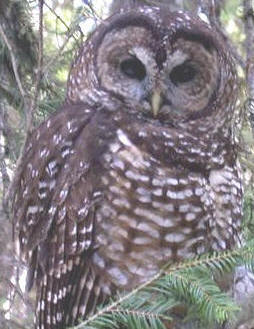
<point>89,228</point>
<point>172,181</point>
<point>83,211</point>
<point>44,152</point>
<point>142,240</point>
<point>217,177</point>
<point>74,230</point>
<point>34,210</point>
<point>63,195</point>
<point>145,227</point>
<point>51,168</point>
<point>123,138</point>
<point>52,184</point>
<point>118,164</point>
<point>114,147</point>
<point>49,296</point>
<point>42,305</point>
<point>43,184</point>
<point>158,182</point>
<point>174,237</point>
<point>120,277</point>
<point>65,152</point>
<point>55,299</point>
<point>190,216</point>
<point>52,210</point>
<point>87,244</point>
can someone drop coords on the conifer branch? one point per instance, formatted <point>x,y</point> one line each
<point>191,281</point>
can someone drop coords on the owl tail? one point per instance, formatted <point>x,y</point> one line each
<point>68,295</point>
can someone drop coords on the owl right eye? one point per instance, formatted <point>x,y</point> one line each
<point>133,68</point>
<point>183,73</point>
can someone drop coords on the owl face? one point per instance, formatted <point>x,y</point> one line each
<point>167,90</point>
<point>164,67</point>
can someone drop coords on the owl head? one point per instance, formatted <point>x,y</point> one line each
<point>165,67</point>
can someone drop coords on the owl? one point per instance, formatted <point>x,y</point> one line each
<point>138,168</point>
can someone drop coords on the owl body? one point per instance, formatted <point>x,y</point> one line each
<point>179,208</point>
<point>138,168</point>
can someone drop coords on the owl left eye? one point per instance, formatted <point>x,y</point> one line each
<point>182,73</point>
<point>133,68</point>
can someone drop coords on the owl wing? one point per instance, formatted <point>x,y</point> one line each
<point>54,215</point>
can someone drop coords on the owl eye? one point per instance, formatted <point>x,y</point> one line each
<point>133,68</point>
<point>182,73</point>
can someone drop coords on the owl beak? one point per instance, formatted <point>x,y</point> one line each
<point>156,101</point>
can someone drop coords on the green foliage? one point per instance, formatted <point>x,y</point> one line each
<point>248,224</point>
<point>192,284</point>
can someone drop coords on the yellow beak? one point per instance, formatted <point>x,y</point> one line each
<point>156,102</point>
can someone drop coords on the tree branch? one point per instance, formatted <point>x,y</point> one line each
<point>31,108</point>
<point>62,21</point>
<point>39,71</point>
<point>14,63</point>
<point>249,31</point>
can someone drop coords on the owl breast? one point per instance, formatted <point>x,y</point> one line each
<point>152,214</point>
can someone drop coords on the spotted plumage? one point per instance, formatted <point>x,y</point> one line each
<point>138,168</point>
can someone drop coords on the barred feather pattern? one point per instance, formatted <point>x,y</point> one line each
<point>54,219</point>
<point>70,296</point>
<point>110,190</point>
<point>117,213</point>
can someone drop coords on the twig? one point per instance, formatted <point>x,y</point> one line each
<point>3,166</point>
<point>31,108</point>
<point>39,71</point>
<point>62,21</point>
<point>5,179</point>
<point>139,313</point>
<point>93,12</point>
<point>14,63</point>
<point>249,30</point>
<point>70,34</point>
<point>15,288</point>
<point>53,60</point>
<point>57,16</point>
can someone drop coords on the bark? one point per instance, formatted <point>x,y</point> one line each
<point>249,44</point>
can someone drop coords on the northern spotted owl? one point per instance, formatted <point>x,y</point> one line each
<point>138,168</point>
